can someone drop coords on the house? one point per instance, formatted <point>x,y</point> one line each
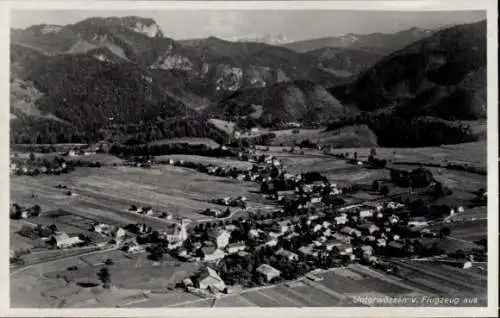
<point>393,219</point>
<point>341,219</point>
<point>365,212</point>
<point>283,227</point>
<point>147,210</point>
<point>418,222</point>
<point>118,234</point>
<point>291,256</point>
<point>271,242</point>
<point>467,265</point>
<point>63,240</point>
<point>369,228</point>
<point>101,228</point>
<point>347,230</point>
<point>235,247</point>
<point>381,242</point>
<point>317,243</point>
<point>366,249</point>
<point>308,251</point>
<point>209,279</point>
<point>342,238</point>
<point>25,214</point>
<point>292,235</point>
<point>326,224</point>
<point>134,247</point>
<point>72,153</point>
<point>143,228</point>
<point>230,227</point>
<point>344,249</point>
<point>187,282</point>
<point>315,200</point>
<point>268,272</point>
<point>370,258</point>
<point>395,205</point>
<point>369,238</point>
<point>211,254</point>
<point>220,238</point>
<point>253,233</point>
<point>317,228</point>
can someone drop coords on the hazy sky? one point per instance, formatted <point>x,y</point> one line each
<point>294,24</point>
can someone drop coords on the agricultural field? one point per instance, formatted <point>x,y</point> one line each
<point>473,153</point>
<point>349,286</point>
<point>106,194</point>
<point>468,231</point>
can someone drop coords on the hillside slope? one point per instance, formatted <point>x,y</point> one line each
<point>345,61</point>
<point>297,101</point>
<point>443,75</point>
<point>379,43</point>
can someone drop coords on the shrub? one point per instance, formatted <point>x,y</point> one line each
<point>384,190</point>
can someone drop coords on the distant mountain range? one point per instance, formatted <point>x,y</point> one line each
<point>379,43</point>
<point>269,38</point>
<point>104,74</point>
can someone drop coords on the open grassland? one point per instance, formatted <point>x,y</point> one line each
<point>346,287</point>
<point>105,194</point>
<point>473,153</point>
<point>442,279</point>
<point>468,231</point>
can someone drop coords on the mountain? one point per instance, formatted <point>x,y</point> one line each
<point>431,85</point>
<point>123,77</point>
<point>443,75</point>
<point>212,65</point>
<point>344,61</point>
<point>269,38</point>
<point>231,66</point>
<point>128,37</point>
<point>109,72</point>
<point>380,43</point>
<point>282,103</point>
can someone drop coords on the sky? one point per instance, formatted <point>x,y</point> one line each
<point>293,24</point>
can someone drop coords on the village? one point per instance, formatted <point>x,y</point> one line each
<point>315,226</point>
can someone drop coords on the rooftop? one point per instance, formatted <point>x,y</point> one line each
<point>268,270</point>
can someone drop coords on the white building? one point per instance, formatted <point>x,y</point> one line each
<point>209,279</point>
<point>180,232</point>
<point>211,254</point>
<point>119,234</point>
<point>287,254</point>
<point>101,228</point>
<point>235,247</point>
<point>220,238</point>
<point>268,272</point>
<point>63,240</point>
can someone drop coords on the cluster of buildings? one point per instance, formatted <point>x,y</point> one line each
<point>232,202</point>
<point>148,210</point>
<point>32,169</point>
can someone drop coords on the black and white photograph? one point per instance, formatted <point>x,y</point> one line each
<point>220,158</point>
